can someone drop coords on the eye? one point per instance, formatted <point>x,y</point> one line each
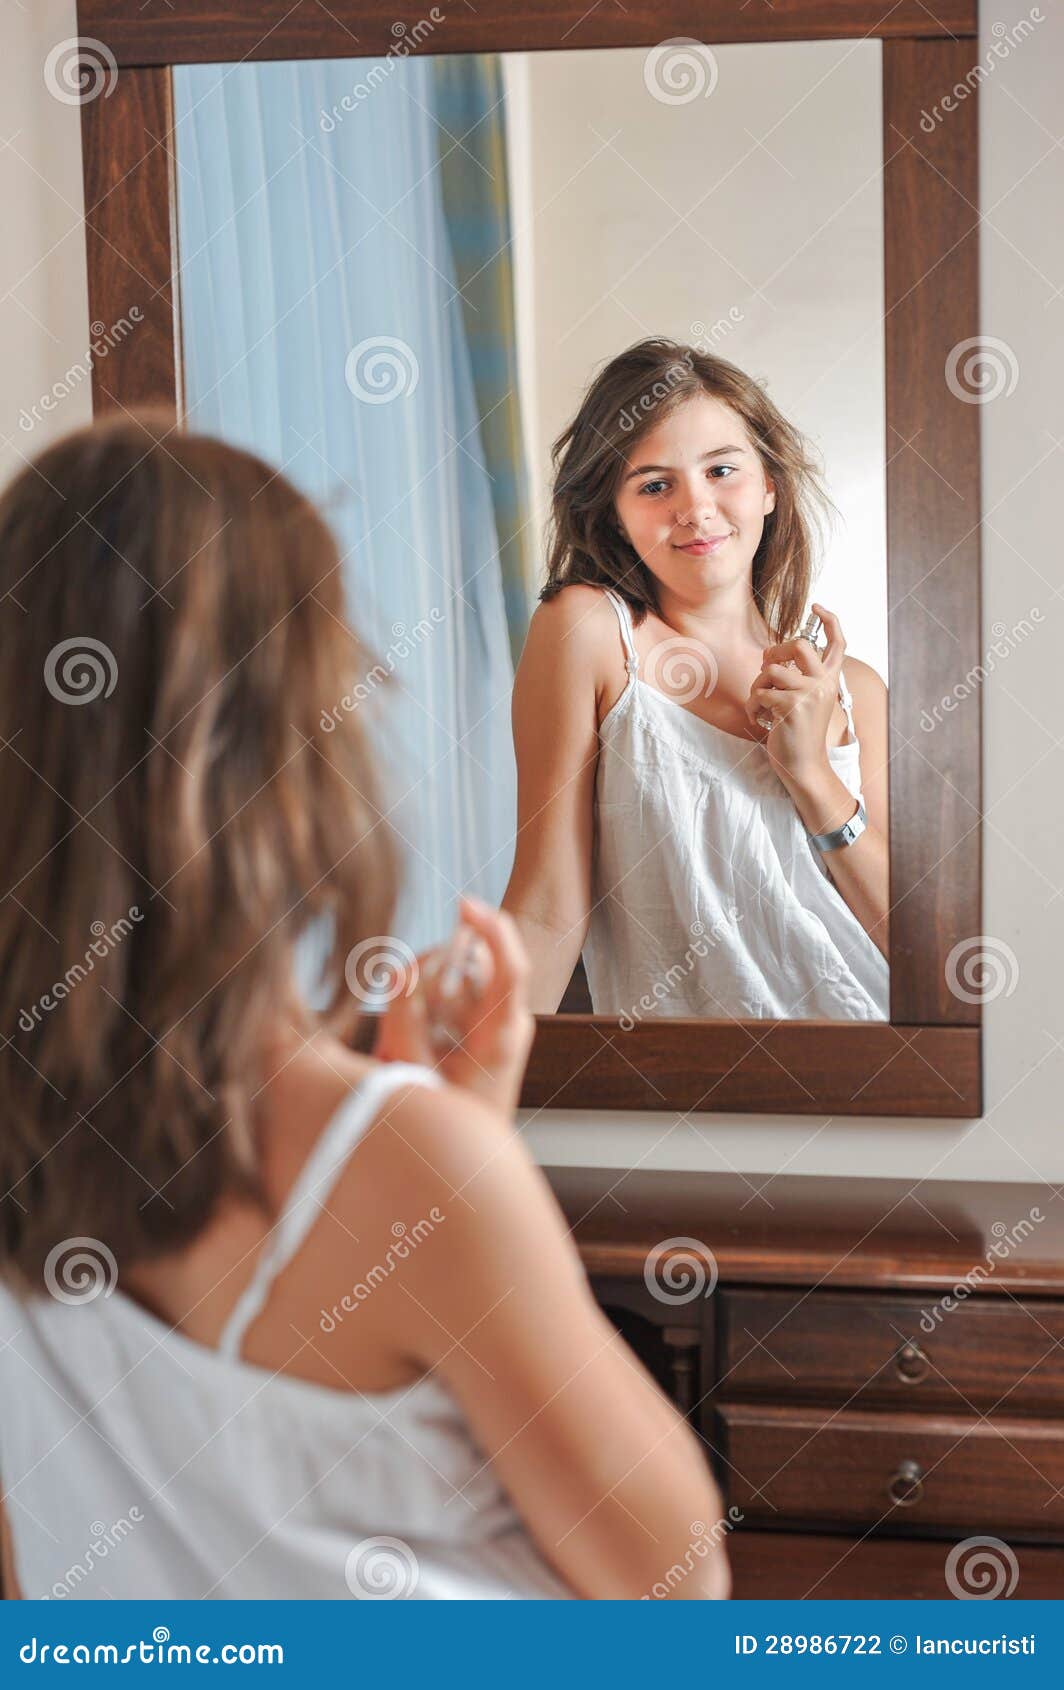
<point>725,469</point>
<point>649,486</point>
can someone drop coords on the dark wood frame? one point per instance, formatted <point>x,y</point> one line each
<point>927,1060</point>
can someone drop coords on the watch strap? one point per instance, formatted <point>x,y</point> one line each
<point>844,835</point>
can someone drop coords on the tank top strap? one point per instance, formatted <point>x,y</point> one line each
<point>846,700</point>
<point>312,1185</point>
<point>624,617</point>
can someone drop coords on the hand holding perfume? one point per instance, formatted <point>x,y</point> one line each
<point>453,979</point>
<point>462,1008</point>
<point>810,630</point>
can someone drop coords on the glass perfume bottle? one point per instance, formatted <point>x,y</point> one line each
<point>453,977</point>
<point>810,630</point>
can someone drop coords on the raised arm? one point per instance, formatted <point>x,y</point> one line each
<point>556,743</point>
<point>610,1481</point>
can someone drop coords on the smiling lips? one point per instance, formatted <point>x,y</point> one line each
<point>699,548</point>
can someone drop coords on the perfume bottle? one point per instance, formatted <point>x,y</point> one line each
<point>452,979</point>
<point>810,630</point>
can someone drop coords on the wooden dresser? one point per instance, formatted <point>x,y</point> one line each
<point>876,1369</point>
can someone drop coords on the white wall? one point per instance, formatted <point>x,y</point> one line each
<point>44,320</point>
<point>734,220</point>
<point>44,330</point>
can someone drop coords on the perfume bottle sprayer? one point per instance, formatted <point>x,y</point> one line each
<point>452,979</point>
<point>810,630</point>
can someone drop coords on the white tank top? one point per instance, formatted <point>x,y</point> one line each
<point>137,1463</point>
<point>708,899</point>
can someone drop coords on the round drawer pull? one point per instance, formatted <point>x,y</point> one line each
<point>911,1364</point>
<point>907,1484</point>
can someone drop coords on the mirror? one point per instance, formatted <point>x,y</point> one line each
<point>400,278</point>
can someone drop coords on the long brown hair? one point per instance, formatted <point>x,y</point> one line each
<point>177,807</point>
<point>626,400</point>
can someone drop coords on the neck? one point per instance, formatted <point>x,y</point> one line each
<point>725,616</point>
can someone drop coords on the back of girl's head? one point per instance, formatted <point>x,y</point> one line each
<point>630,396</point>
<point>174,813</point>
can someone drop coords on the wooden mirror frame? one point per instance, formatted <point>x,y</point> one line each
<point>926,1061</point>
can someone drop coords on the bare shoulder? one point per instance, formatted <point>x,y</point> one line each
<point>869,696</point>
<point>429,1145</point>
<point>448,1176</point>
<point>576,621</point>
<point>573,649</point>
<point>862,677</point>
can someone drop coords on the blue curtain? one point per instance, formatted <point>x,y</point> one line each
<point>321,327</point>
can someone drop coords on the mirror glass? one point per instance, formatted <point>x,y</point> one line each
<point>402,280</point>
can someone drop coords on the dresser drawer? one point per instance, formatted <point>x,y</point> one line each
<point>799,1566</point>
<point>870,1346</point>
<point>914,1471</point>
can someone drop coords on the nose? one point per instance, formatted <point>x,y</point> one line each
<point>697,506</point>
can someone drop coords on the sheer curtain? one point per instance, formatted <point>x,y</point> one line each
<point>322,327</point>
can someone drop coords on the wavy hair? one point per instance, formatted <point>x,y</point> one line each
<point>175,813</point>
<point>625,401</point>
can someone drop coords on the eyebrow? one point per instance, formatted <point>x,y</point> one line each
<point>717,452</point>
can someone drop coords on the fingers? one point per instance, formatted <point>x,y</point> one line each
<point>765,697</point>
<point>835,650</point>
<point>798,652</point>
<point>778,674</point>
<point>510,965</point>
<point>402,1035</point>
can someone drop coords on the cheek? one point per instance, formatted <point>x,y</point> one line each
<point>646,515</point>
<point>748,502</point>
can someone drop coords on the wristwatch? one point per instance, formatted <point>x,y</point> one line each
<point>844,835</point>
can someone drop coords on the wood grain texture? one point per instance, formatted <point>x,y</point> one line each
<point>759,1067</point>
<point>129,234</point>
<point>795,1229</point>
<point>808,1465</point>
<point>850,1478</point>
<point>782,1566</point>
<point>218,31</point>
<point>931,193</point>
<point>860,1347</point>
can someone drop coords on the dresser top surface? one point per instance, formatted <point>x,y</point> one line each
<point>799,1229</point>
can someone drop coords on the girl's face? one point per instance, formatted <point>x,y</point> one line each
<point>693,498</point>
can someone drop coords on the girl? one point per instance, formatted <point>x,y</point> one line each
<point>278,1318</point>
<point>707,817</point>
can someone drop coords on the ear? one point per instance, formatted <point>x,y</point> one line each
<point>770,497</point>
